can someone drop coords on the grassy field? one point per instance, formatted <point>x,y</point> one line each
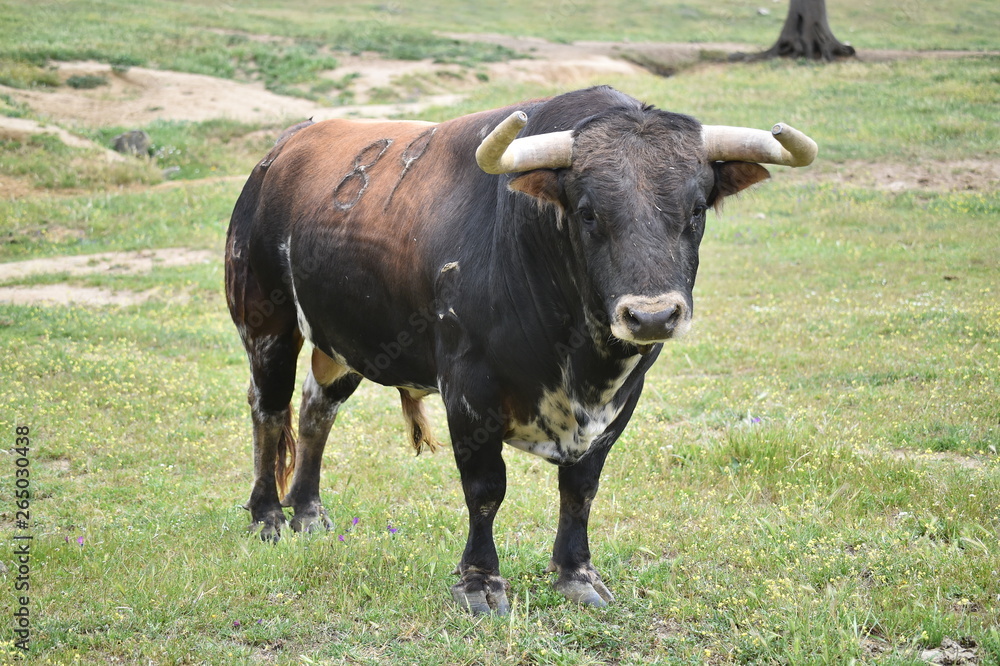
<point>219,38</point>
<point>812,475</point>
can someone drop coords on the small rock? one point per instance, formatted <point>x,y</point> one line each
<point>763,11</point>
<point>134,142</point>
<point>952,653</point>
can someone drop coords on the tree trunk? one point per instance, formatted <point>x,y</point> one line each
<point>807,34</point>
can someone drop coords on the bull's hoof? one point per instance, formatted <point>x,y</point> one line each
<point>482,594</point>
<point>269,526</point>
<point>587,594</point>
<point>311,519</point>
<point>583,585</point>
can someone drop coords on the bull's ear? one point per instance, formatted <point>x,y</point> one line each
<point>733,177</point>
<point>541,184</point>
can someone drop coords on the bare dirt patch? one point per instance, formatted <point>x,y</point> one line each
<point>560,63</point>
<point>938,457</point>
<point>15,188</point>
<point>64,294</point>
<point>974,175</point>
<point>107,263</point>
<point>117,263</point>
<point>139,96</point>
<point>18,129</point>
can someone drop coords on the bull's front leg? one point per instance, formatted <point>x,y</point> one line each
<point>476,441</point>
<point>578,580</point>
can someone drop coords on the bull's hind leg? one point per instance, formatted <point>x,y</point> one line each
<point>272,366</point>
<point>270,334</point>
<point>326,387</point>
<point>264,312</point>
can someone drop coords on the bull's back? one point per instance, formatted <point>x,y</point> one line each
<point>343,191</point>
<point>360,217</point>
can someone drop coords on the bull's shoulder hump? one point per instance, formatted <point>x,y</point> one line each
<point>366,127</point>
<point>340,141</point>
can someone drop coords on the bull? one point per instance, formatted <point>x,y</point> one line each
<point>525,263</point>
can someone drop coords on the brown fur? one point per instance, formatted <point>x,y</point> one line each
<point>733,177</point>
<point>542,184</point>
<point>371,177</point>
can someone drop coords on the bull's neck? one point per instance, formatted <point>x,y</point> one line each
<point>543,273</point>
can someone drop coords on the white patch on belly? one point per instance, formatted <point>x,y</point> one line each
<point>565,427</point>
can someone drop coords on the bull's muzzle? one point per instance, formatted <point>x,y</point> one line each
<point>646,320</point>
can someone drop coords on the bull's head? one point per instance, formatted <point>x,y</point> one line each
<point>634,185</point>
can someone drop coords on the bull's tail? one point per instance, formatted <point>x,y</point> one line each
<point>418,425</point>
<point>284,463</point>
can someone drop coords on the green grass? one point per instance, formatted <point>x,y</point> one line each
<point>184,150</point>
<point>812,476</point>
<point>194,215</point>
<point>866,25</point>
<point>298,41</point>
<point>16,74</point>
<point>47,163</point>
<point>204,149</point>
<point>897,111</point>
<point>778,497</point>
<point>218,40</point>
<point>945,111</point>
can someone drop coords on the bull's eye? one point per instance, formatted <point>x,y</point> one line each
<point>588,219</point>
<point>698,217</point>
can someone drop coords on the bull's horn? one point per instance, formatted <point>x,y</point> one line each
<point>783,145</point>
<point>500,152</point>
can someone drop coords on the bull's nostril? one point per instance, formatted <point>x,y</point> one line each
<point>631,320</point>
<point>673,317</point>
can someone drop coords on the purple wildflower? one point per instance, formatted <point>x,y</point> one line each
<point>392,530</point>
<point>79,540</point>
<point>340,537</point>
<point>354,521</point>
<point>236,624</point>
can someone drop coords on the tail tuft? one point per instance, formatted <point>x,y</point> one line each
<point>284,463</point>
<point>418,425</point>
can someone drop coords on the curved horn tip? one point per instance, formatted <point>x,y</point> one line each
<point>800,147</point>
<point>514,122</point>
<point>491,150</point>
<point>500,152</point>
